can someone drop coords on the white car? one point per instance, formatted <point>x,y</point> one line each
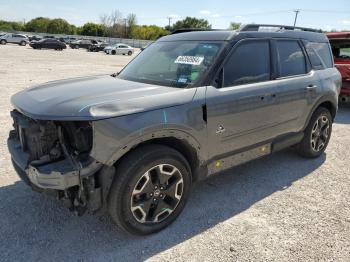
<point>119,49</point>
<point>14,38</point>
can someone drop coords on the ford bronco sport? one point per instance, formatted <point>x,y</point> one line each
<point>190,105</point>
<point>340,43</point>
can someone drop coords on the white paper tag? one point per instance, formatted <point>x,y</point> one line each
<point>189,60</point>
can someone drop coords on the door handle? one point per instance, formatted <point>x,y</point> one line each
<point>311,87</point>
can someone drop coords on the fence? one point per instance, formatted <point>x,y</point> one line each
<point>137,43</point>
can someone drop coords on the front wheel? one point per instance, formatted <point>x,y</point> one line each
<point>150,189</point>
<point>23,43</point>
<point>3,42</point>
<point>317,134</point>
<point>129,53</point>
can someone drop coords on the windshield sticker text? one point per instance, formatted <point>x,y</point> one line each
<point>189,60</point>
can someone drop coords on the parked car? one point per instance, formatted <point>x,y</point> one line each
<point>119,49</point>
<point>99,46</point>
<point>340,43</point>
<point>67,39</point>
<point>82,44</point>
<point>189,106</point>
<point>35,38</point>
<point>14,39</point>
<point>48,44</point>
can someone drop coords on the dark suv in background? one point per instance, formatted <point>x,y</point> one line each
<point>190,105</point>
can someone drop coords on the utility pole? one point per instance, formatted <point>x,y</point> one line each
<point>169,18</point>
<point>297,11</point>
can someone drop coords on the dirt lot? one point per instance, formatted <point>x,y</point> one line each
<point>281,208</point>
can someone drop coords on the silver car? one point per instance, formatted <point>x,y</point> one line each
<point>14,39</point>
<point>119,49</point>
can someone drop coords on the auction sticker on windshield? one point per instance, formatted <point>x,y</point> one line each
<point>189,60</point>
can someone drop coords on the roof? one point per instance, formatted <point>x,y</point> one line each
<point>238,35</point>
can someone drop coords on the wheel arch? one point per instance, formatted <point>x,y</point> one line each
<point>328,102</point>
<point>183,143</point>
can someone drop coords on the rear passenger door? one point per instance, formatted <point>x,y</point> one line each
<point>297,85</point>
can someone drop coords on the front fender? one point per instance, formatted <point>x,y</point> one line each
<point>113,138</point>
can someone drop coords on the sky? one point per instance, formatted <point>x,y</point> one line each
<point>324,14</point>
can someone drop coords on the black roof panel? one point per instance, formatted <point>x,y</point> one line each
<point>238,35</point>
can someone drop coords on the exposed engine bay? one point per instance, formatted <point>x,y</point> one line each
<point>53,156</point>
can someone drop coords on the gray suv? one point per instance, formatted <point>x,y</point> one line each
<point>190,105</point>
<point>14,39</point>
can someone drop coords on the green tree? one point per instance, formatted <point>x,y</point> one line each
<point>131,22</point>
<point>38,25</point>
<point>9,26</point>
<point>59,26</point>
<point>92,29</point>
<point>148,32</point>
<point>234,26</point>
<point>191,22</point>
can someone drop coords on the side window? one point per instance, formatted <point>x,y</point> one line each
<point>249,63</point>
<point>315,59</point>
<point>323,50</point>
<point>291,58</point>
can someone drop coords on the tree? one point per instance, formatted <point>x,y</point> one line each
<point>234,26</point>
<point>38,25</point>
<point>59,26</point>
<point>148,32</point>
<point>10,26</point>
<point>131,22</point>
<point>191,22</point>
<point>92,29</point>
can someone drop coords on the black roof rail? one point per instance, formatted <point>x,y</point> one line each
<point>256,27</point>
<point>186,30</point>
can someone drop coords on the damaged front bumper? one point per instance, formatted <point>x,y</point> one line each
<point>54,157</point>
<point>60,175</point>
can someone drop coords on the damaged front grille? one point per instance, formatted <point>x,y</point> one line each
<point>44,143</point>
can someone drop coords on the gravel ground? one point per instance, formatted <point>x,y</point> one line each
<point>281,208</point>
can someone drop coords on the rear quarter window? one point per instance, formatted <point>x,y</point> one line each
<point>323,51</point>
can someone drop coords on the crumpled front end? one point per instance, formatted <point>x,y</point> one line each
<point>55,156</point>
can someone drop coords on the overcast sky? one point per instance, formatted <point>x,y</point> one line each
<point>323,14</point>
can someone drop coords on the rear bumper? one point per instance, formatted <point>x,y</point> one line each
<point>58,175</point>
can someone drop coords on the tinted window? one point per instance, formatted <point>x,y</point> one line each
<point>249,63</point>
<point>291,58</point>
<point>315,59</point>
<point>323,50</point>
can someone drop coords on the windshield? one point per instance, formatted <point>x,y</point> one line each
<point>176,64</point>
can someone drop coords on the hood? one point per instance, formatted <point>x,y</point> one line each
<point>96,97</point>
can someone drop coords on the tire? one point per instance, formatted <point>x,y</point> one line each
<point>3,42</point>
<point>113,52</point>
<point>23,43</point>
<point>76,47</point>
<point>145,166</point>
<point>317,134</point>
<point>129,53</point>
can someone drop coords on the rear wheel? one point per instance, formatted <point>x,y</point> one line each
<point>317,134</point>
<point>76,46</point>
<point>150,190</point>
<point>113,52</point>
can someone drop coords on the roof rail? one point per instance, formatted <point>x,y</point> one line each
<point>186,30</point>
<point>256,27</point>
